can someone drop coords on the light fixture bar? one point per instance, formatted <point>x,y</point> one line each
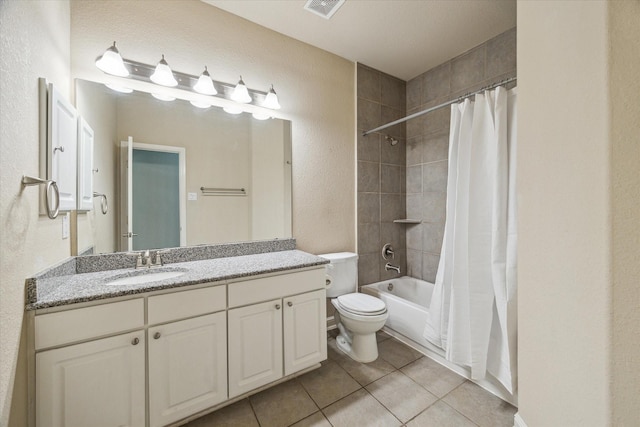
<point>143,72</point>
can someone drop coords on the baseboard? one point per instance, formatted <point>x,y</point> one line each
<point>518,421</point>
<point>331,323</point>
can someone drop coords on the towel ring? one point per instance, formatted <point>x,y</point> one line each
<point>28,181</point>
<point>104,205</point>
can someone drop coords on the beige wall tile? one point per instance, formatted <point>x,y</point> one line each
<point>468,68</point>
<point>368,85</point>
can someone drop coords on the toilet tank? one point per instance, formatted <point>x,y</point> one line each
<point>343,271</point>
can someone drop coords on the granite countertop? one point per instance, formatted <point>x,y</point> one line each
<point>82,287</point>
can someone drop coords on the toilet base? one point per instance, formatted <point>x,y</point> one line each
<point>361,348</point>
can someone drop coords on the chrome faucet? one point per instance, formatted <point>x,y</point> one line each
<point>146,259</point>
<point>143,259</point>
<point>157,262</point>
<point>389,266</point>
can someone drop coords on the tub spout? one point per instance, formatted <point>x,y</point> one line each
<point>389,266</point>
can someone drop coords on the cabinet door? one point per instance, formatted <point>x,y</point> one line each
<point>255,346</point>
<point>187,367</point>
<point>85,165</point>
<point>61,154</point>
<point>97,383</point>
<point>305,330</point>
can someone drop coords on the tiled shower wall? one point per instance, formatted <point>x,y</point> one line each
<point>428,141</point>
<point>409,180</point>
<point>381,173</point>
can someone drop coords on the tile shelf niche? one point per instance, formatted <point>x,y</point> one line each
<point>407,221</point>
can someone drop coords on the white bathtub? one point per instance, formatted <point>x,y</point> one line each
<point>407,301</point>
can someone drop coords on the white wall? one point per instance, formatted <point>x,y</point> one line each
<point>624,110</point>
<point>316,90</point>
<point>35,43</point>
<point>579,211</point>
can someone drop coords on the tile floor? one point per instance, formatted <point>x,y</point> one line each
<point>401,388</point>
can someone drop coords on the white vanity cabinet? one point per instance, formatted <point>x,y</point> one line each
<point>187,358</point>
<point>159,358</point>
<point>92,383</point>
<point>97,383</point>
<point>305,330</point>
<point>255,346</point>
<point>279,336</point>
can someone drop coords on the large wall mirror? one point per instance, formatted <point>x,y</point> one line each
<point>178,175</point>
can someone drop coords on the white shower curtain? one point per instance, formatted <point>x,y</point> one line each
<point>473,307</point>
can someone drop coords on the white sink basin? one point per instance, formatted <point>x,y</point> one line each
<point>145,277</point>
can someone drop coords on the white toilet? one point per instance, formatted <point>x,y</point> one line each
<point>358,316</point>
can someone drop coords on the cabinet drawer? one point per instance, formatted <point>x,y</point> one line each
<point>179,305</point>
<point>268,288</point>
<point>85,323</point>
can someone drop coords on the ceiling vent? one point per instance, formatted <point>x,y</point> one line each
<point>324,8</point>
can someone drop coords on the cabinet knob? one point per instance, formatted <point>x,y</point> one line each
<point>135,341</point>
<point>289,303</point>
<point>156,335</point>
<point>61,148</point>
<point>277,306</point>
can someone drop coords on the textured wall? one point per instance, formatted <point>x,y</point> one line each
<point>564,202</point>
<point>316,90</point>
<point>624,87</point>
<point>35,43</point>
<point>381,169</point>
<point>428,141</point>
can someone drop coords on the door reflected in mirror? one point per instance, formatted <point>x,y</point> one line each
<point>174,173</point>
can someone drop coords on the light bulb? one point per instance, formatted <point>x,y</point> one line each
<point>111,62</point>
<point>271,100</point>
<point>261,116</point>
<point>163,97</point>
<point>232,109</point>
<point>118,88</point>
<point>240,93</point>
<point>163,74</point>
<point>200,104</point>
<point>205,84</point>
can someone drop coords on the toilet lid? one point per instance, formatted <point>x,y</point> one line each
<point>362,304</point>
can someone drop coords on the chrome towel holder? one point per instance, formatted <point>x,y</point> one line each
<point>28,181</point>
<point>104,205</point>
<point>212,191</point>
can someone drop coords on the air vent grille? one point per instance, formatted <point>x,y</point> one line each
<point>324,8</point>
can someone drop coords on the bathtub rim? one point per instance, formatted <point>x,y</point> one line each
<point>371,286</point>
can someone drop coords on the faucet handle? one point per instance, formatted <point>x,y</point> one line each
<point>387,251</point>
<point>139,261</point>
<point>157,261</point>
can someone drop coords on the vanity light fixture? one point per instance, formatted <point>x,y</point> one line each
<point>205,84</point>
<point>111,62</point>
<point>261,116</point>
<point>271,100</point>
<point>163,97</point>
<point>200,104</point>
<point>118,88</point>
<point>240,93</point>
<point>163,75</point>
<point>232,110</point>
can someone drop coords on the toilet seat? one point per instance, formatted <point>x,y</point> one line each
<point>361,304</point>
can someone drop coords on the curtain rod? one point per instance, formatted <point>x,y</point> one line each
<point>428,110</point>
